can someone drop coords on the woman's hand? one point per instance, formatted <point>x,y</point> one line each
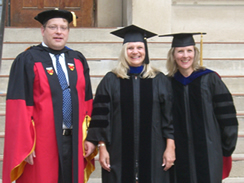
<point>169,155</point>
<point>104,158</point>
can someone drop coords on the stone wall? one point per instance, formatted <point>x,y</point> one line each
<point>222,20</point>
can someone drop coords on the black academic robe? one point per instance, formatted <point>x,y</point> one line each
<point>133,117</point>
<point>205,126</point>
<point>34,117</point>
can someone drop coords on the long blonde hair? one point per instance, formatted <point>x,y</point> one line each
<point>171,64</point>
<point>122,68</point>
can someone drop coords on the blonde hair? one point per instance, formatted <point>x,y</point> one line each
<point>123,66</point>
<point>171,64</point>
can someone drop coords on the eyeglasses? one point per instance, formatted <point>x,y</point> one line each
<point>55,27</point>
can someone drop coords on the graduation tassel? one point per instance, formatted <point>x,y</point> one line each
<point>201,62</point>
<point>74,18</point>
<point>146,50</point>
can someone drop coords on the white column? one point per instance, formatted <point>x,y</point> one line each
<point>154,15</point>
<point>109,13</point>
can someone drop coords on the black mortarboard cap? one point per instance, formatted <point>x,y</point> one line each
<point>186,39</point>
<point>44,16</point>
<point>134,33</point>
<point>182,39</point>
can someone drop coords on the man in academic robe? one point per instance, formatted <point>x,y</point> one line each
<point>49,101</point>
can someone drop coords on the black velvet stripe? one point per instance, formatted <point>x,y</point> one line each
<point>101,99</point>
<point>57,109</point>
<point>75,109</point>
<point>127,118</point>
<point>222,97</point>
<point>180,134</point>
<point>100,111</point>
<point>97,120</point>
<point>228,122</point>
<point>145,145</point>
<point>98,123</point>
<point>225,110</point>
<point>198,132</point>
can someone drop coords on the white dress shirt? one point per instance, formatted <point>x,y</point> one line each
<point>63,65</point>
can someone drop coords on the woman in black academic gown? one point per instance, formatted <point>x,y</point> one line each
<point>204,116</point>
<point>131,120</point>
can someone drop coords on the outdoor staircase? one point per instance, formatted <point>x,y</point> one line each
<point>102,49</point>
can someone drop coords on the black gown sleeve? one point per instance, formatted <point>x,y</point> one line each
<point>166,102</point>
<point>100,125</point>
<point>21,78</point>
<point>225,113</point>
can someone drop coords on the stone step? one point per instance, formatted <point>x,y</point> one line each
<point>239,101</point>
<point>76,35</point>
<point>112,49</point>
<point>240,144</point>
<point>98,171</point>
<point>2,108</point>
<point>234,83</point>
<point>97,66</point>
<point>237,167</point>
<point>3,84</point>
<point>100,66</point>
<point>14,34</point>
<point>227,180</point>
<point>95,180</point>
<point>2,122</point>
<point>1,144</point>
<point>2,98</point>
<point>241,123</point>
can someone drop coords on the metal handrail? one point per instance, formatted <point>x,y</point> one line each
<point>2,25</point>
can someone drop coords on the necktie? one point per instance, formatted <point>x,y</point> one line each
<point>67,105</point>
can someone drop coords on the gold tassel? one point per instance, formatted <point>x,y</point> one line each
<point>74,18</point>
<point>89,168</point>
<point>201,62</point>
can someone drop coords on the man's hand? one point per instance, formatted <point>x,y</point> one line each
<point>89,148</point>
<point>30,158</point>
